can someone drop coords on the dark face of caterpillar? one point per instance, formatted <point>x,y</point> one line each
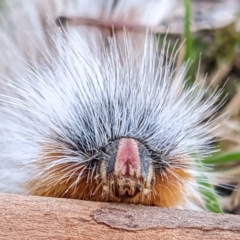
<point>127,169</point>
<point>124,170</point>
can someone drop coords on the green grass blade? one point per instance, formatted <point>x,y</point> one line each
<point>210,197</point>
<point>208,193</point>
<point>223,158</point>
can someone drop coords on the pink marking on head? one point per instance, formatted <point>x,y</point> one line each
<point>128,160</point>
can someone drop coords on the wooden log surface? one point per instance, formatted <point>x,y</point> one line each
<point>28,217</point>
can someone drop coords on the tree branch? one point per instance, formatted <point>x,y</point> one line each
<point>28,217</point>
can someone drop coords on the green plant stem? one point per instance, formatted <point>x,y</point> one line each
<point>189,53</point>
<point>187,30</point>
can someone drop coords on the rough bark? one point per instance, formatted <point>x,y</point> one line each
<point>28,217</point>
